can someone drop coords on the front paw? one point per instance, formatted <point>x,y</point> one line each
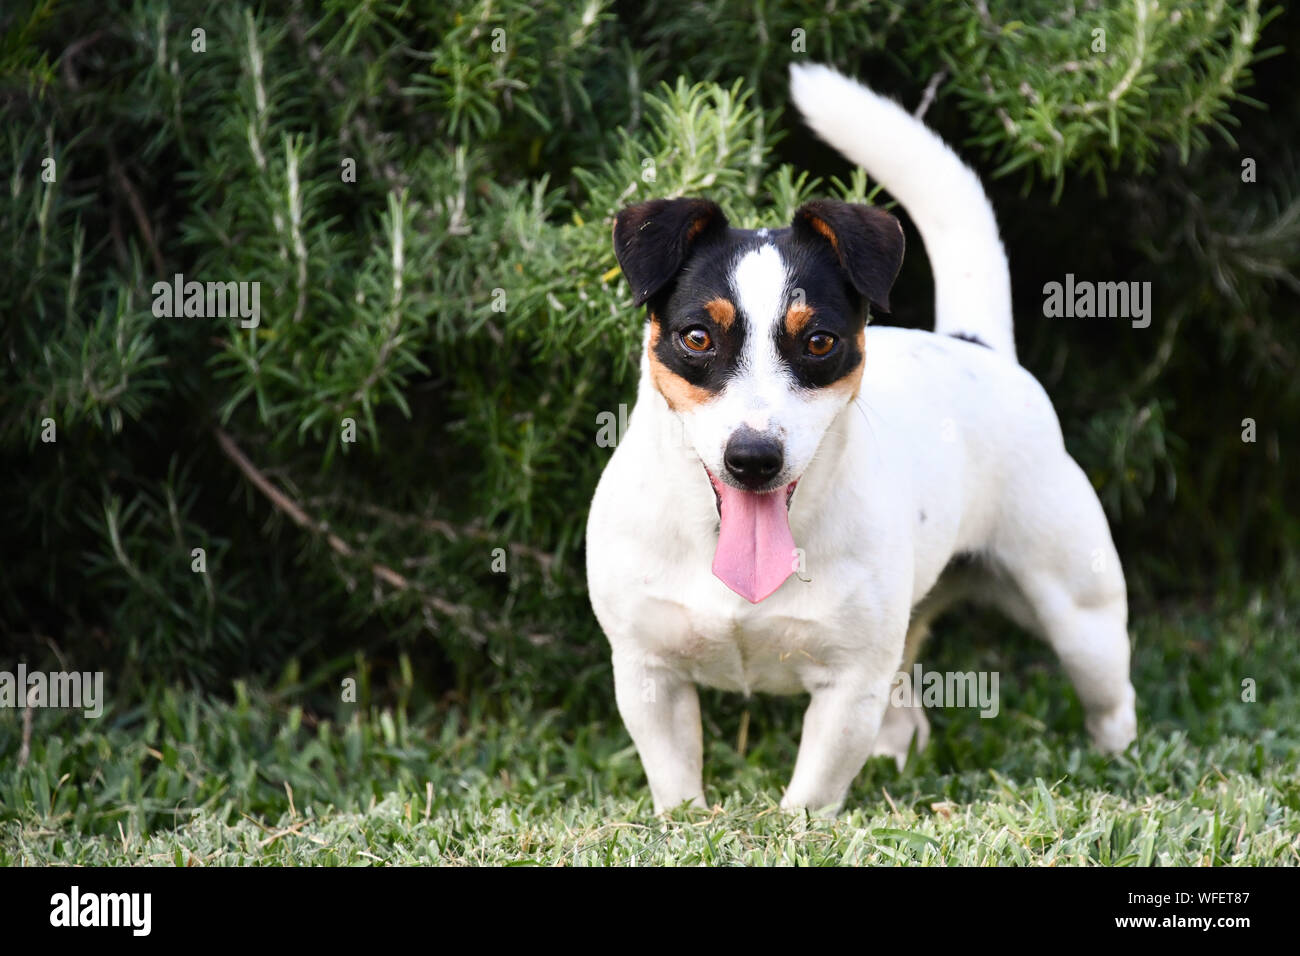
<point>1114,729</point>
<point>696,801</point>
<point>815,807</point>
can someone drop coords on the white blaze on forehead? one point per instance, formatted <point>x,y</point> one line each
<point>760,282</point>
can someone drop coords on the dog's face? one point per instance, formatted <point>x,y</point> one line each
<point>756,337</point>
<point>756,342</point>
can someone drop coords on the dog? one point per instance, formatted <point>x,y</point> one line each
<point>798,494</point>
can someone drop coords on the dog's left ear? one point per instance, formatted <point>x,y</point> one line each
<point>652,239</point>
<point>868,242</point>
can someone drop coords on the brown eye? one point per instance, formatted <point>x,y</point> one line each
<point>820,344</point>
<point>697,339</point>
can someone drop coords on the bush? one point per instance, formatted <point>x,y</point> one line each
<point>455,307</point>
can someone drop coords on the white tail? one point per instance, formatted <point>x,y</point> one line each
<point>972,287</point>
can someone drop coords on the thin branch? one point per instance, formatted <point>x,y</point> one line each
<point>25,748</point>
<point>455,532</point>
<point>137,210</point>
<point>288,506</point>
<point>928,96</point>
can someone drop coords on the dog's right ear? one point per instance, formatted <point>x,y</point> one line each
<point>652,239</point>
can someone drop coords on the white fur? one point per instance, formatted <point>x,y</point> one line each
<point>941,427</point>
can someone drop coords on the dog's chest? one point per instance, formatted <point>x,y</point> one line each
<point>742,652</point>
<point>783,645</point>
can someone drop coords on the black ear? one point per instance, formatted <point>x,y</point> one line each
<point>867,240</point>
<point>652,239</point>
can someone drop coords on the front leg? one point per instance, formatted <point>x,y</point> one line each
<point>661,710</point>
<point>839,728</point>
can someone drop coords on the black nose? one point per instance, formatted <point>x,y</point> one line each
<point>752,459</point>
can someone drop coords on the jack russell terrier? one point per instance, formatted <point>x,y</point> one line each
<point>798,495</point>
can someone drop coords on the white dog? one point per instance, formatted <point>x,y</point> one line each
<point>896,471</point>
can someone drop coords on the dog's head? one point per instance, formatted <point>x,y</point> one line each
<point>756,337</point>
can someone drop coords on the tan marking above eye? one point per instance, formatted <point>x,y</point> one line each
<point>797,317</point>
<point>722,312</point>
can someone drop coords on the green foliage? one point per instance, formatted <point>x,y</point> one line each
<point>1056,87</point>
<point>459,302</point>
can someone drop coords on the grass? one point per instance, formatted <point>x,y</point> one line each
<point>188,779</point>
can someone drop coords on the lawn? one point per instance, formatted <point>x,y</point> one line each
<point>253,778</point>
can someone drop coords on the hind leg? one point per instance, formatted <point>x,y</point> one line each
<point>1092,643</point>
<point>1063,563</point>
<point>901,724</point>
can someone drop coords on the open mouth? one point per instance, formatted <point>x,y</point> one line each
<point>756,551</point>
<point>717,486</point>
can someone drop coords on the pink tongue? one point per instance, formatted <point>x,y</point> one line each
<point>755,548</point>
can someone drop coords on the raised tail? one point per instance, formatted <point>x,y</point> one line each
<point>972,287</point>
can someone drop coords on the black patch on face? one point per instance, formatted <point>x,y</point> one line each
<point>838,309</point>
<point>678,256</point>
<point>683,307</point>
<point>811,266</point>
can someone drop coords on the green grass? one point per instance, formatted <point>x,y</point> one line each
<point>191,780</point>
